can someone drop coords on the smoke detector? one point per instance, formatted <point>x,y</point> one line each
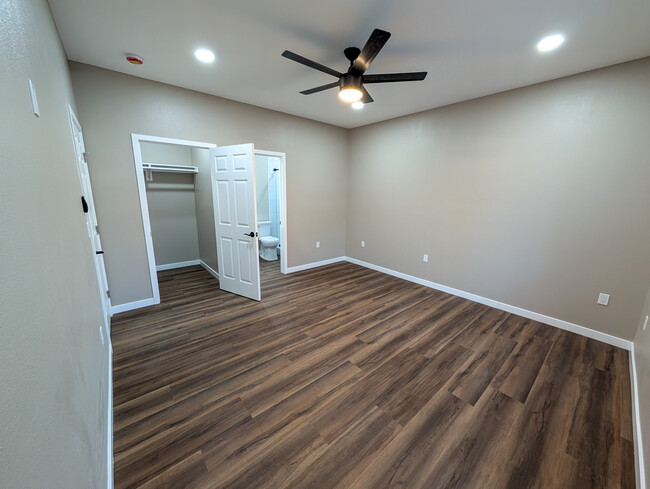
<point>134,59</point>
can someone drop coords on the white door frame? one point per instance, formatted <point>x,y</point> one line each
<point>283,203</point>
<point>136,139</point>
<point>91,218</point>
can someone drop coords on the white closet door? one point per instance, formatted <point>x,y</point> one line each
<point>232,169</point>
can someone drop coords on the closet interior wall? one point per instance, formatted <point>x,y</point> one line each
<point>204,209</point>
<point>177,205</point>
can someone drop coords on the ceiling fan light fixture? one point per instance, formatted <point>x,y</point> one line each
<point>350,94</point>
<point>350,88</point>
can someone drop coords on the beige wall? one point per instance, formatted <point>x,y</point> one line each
<point>642,360</point>
<point>53,366</point>
<point>204,208</point>
<point>113,105</point>
<point>169,154</point>
<point>536,197</point>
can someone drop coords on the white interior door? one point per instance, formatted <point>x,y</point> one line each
<point>232,169</point>
<point>91,219</point>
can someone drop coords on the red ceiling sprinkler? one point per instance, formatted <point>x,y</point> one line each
<point>134,59</point>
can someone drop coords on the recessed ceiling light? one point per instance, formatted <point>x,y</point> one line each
<point>549,43</point>
<point>358,105</point>
<point>204,55</point>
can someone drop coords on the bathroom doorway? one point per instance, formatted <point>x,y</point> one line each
<point>270,185</point>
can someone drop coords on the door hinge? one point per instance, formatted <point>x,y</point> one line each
<point>97,229</point>
<point>85,157</point>
<point>108,293</point>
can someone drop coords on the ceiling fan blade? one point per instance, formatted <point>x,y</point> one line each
<point>312,64</point>
<point>394,77</point>
<point>320,89</point>
<point>366,99</point>
<point>374,44</point>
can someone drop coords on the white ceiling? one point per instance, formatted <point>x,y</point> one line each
<point>470,48</point>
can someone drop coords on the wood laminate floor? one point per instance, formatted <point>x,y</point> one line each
<point>343,377</point>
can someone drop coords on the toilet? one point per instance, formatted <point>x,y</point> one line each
<point>269,248</point>
<point>268,243</point>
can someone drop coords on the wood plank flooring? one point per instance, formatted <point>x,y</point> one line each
<point>343,377</point>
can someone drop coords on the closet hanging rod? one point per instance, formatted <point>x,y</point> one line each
<point>169,168</point>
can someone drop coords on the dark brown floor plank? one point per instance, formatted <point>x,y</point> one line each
<point>518,374</point>
<point>404,461</point>
<point>471,380</point>
<point>182,474</point>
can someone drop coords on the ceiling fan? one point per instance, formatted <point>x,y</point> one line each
<point>351,83</point>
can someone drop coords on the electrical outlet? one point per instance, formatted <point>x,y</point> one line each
<point>317,244</point>
<point>425,258</point>
<point>645,323</point>
<point>603,299</point>
<point>363,244</point>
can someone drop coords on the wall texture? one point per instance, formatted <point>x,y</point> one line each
<point>642,360</point>
<point>204,208</point>
<point>114,105</point>
<point>53,366</point>
<point>170,154</point>
<point>536,197</point>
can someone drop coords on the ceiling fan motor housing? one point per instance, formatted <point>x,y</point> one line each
<point>351,53</point>
<point>349,80</point>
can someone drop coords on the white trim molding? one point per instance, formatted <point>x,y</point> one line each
<point>129,306</point>
<point>136,139</point>
<point>316,264</point>
<point>558,323</point>
<point>282,189</point>
<point>535,316</point>
<point>636,420</point>
<point>212,271</point>
<point>109,448</point>
<point>180,264</point>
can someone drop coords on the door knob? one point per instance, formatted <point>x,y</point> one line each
<point>99,252</point>
<point>250,235</point>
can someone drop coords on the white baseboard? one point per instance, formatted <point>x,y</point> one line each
<point>180,264</point>
<point>317,264</point>
<point>212,271</point>
<point>129,306</point>
<point>558,323</point>
<point>109,448</point>
<point>636,420</point>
